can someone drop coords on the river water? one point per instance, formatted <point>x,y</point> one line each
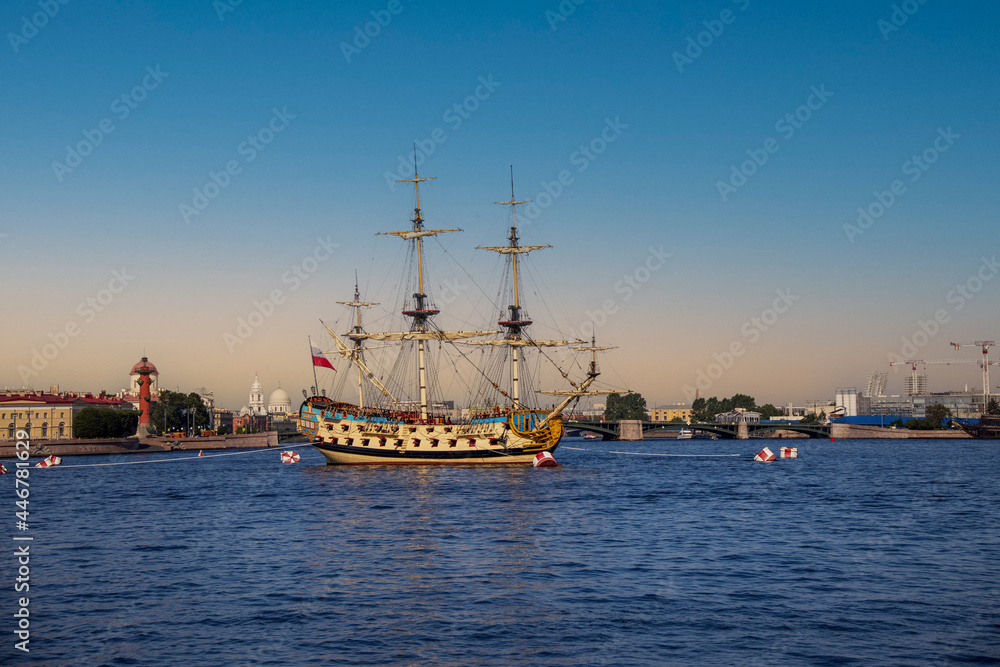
<point>857,553</point>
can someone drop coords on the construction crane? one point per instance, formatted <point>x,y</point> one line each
<point>985,345</point>
<point>913,363</point>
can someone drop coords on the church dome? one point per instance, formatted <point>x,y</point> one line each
<point>279,402</point>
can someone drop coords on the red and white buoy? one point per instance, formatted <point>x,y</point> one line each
<point>545,460</point>
<point>765,455</point>
<point>200,453</point>
<point>289,457</point>
<point>789,452</point>
<point>49,462</point>
<point>3,469</point>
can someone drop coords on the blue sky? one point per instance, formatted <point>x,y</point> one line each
<point>555,81</point>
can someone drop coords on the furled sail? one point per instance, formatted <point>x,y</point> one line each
<point>595,392</point>
<point>520,342</point>
<point>417,233</point>
<point>421,335</point>
<point>513,250</point>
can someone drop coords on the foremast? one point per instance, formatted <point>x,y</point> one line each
<point>356,336</point>
<point>354,355</point>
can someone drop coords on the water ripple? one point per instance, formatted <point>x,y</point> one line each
<point>857,553</point>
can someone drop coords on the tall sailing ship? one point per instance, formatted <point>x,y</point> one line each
<point>988,427</point>
<point>395,420</point>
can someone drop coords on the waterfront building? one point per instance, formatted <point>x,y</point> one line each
<point>257,397</point>
<point>46,416</point>
<point>848,400</point>
<point>738,415</point>
<point>208,398</point>
<point>894,407</point>
<point>594,412</point>
<point>279,403</point>
<point>963,405</point>
<point>251,423</point>
<point>42,416</point>
<point>253,415</point>
<point>255,406</point>
<point>915,384</point>
<point>817,406</point>
<point>222,417</point>
<point>875,385</point>
<point>669,413</point>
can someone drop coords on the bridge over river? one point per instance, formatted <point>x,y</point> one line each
<point>611,430</point>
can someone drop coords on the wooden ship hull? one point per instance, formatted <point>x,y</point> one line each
<point>347,436</point>
<point>988,428</point>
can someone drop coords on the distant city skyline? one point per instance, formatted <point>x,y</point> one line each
<point>772,199</point>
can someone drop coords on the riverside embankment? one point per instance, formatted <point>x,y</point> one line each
<point>844,431</point>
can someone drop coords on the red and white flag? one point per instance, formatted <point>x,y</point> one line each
<point>319,359</point>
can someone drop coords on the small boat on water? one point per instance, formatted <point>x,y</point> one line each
<point>685,434</point>
<point>591,436</point>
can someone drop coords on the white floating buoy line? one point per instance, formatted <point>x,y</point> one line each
<point>53,461</point>
<point>597,451</point>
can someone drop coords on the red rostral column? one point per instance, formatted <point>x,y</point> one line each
<point>144,369</point>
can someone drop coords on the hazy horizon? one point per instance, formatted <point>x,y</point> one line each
<point>793,195</point>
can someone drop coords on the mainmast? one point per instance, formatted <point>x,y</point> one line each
<point>356,334</point>
<point>421,312</point>
<point>515,324</point>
